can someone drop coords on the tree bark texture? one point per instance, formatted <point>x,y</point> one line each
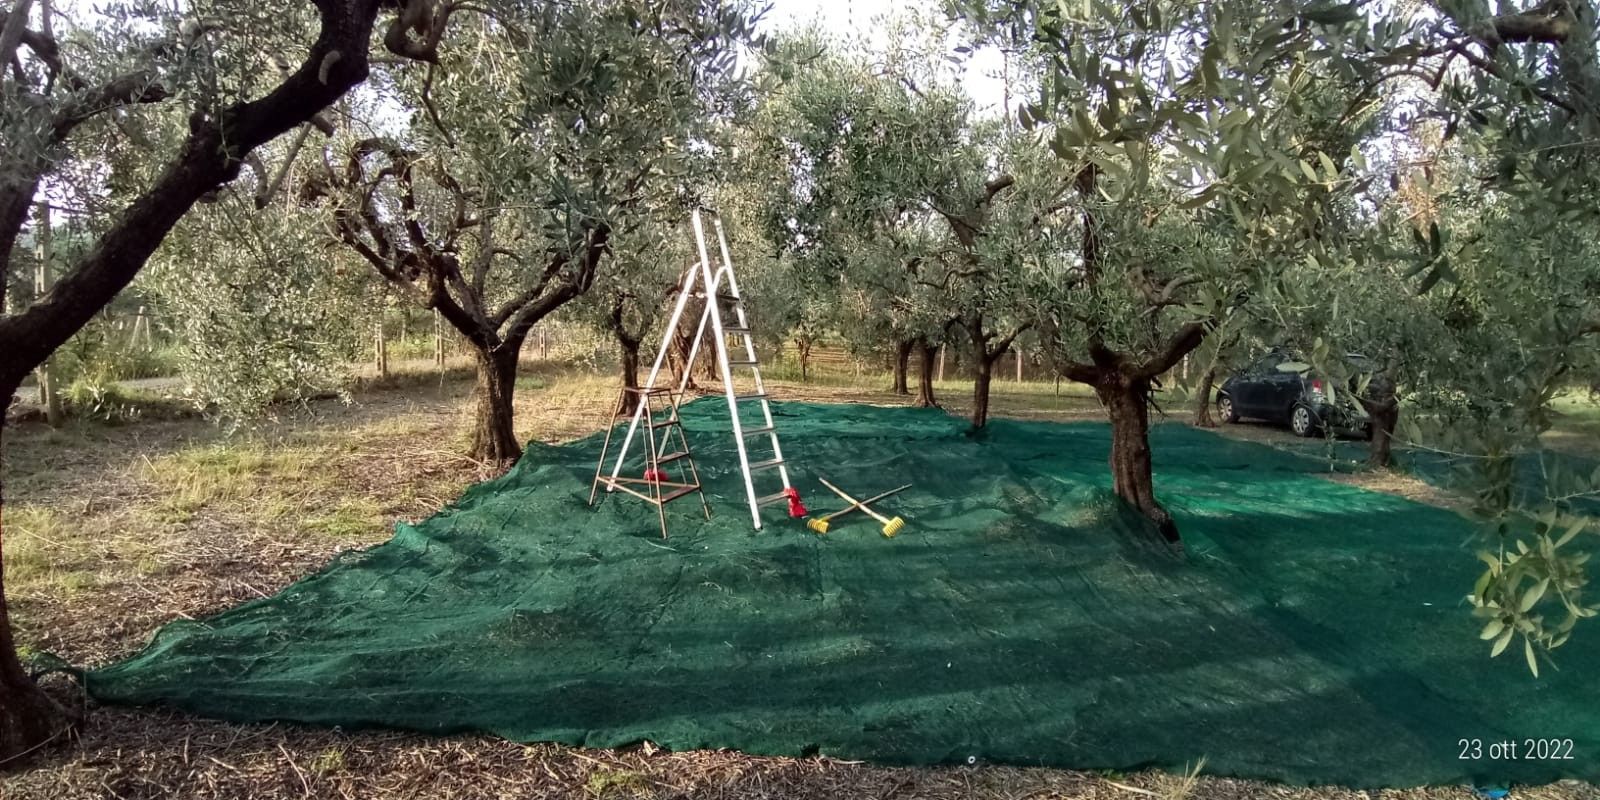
<point>1202,400</point>
<point>925,373</point>
<point>494,437</point>
<point>902,366</point>
<point>1127,404</point>
<point>28,718</point>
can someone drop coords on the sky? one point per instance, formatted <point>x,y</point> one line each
<point>861,18</point>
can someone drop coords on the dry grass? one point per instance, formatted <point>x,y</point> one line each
<point>115,531</point>
<point>145,754</point>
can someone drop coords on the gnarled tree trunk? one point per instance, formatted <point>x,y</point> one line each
<point>985,355</point>
<point>494,438</point>
<point>629,362</point>
<point>983,376</point>
<point>682,340</point>
<point>1384,410</point>
<point>211,155</point>
<point>1202,400</point>
<point>925,367</point>
<point>802,344</point>
<point>28,718</point>
<point>902,366</point>
<point>1127,404</point>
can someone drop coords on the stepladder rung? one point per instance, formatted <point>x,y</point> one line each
<point>780,497</point>
<point>671,457</point>
<point>673,420</point>
<point>743,362</point>
<point>751,396</point>
<point>683,491</point>
<point>642,488</point>
<point>748,432</point>
<point>736,330</point>
<point>757,466</point>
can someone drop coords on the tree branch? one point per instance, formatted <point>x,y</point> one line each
<point>211,156</point>
<point>595,247</point>
<point>11,33</point>
<point>1182,343</point>
<point>1550,22</point>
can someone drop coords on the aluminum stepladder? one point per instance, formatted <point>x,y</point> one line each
<point>717,286</point>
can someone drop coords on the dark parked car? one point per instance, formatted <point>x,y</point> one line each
<point>1280,387</point>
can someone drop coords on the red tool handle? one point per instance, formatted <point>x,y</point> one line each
<point>796,508</point>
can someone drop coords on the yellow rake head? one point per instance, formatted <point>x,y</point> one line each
<point>893,527</point>
<point>819,525</point>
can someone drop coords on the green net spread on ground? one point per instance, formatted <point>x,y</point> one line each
<point>1315,633</point>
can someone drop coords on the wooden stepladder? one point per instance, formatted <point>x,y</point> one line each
<point>721,292</point>
<point>656,487</point>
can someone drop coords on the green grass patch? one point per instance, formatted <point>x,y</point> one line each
<point>353,520</point>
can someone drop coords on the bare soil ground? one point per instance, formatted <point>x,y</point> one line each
<point>113,531</point>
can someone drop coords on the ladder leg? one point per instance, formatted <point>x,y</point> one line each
<point>750,354</point>
<point>684,290</point>
<point>653,469</point>
<point>694,351</point>
<point>720,343</point>
<point>694,471</point>
<point>611,427</point>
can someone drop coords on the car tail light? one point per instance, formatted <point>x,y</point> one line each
<point>1316,386</point>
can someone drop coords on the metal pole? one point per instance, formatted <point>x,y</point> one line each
<point>655,369</point>
<point>41,284</point>
<point>715,313</point>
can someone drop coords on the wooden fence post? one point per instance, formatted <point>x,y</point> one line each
<point>941,363</point>
<point>438,340</point>
<point>41,284</point>
<point>380,350</point>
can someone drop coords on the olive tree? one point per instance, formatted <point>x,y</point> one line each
<point>882,184</point>
<point>71,79</point>
<point>1191,183</point>
<point>276,314</point>
<point>538,136</point>
<point>1505,261</point>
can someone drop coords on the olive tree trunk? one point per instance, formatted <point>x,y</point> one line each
<point>494,437</point>
<point>986,352</point>
<point>628,348</point>
<point>1383,410</point>
<point>28,718</point>
<point>925,367</point>
<point>1127,404</point>
<point>902,366</point>
<point>982,378</point>
<point>1202,400</point>
<point>803,346</point>
<point>682,340</point>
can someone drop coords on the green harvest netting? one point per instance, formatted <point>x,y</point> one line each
<point>1533,470</point>
<point>1315,633</point>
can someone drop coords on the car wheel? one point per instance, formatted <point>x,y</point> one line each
<point>1225,410</point>
<point>1302,422</point>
